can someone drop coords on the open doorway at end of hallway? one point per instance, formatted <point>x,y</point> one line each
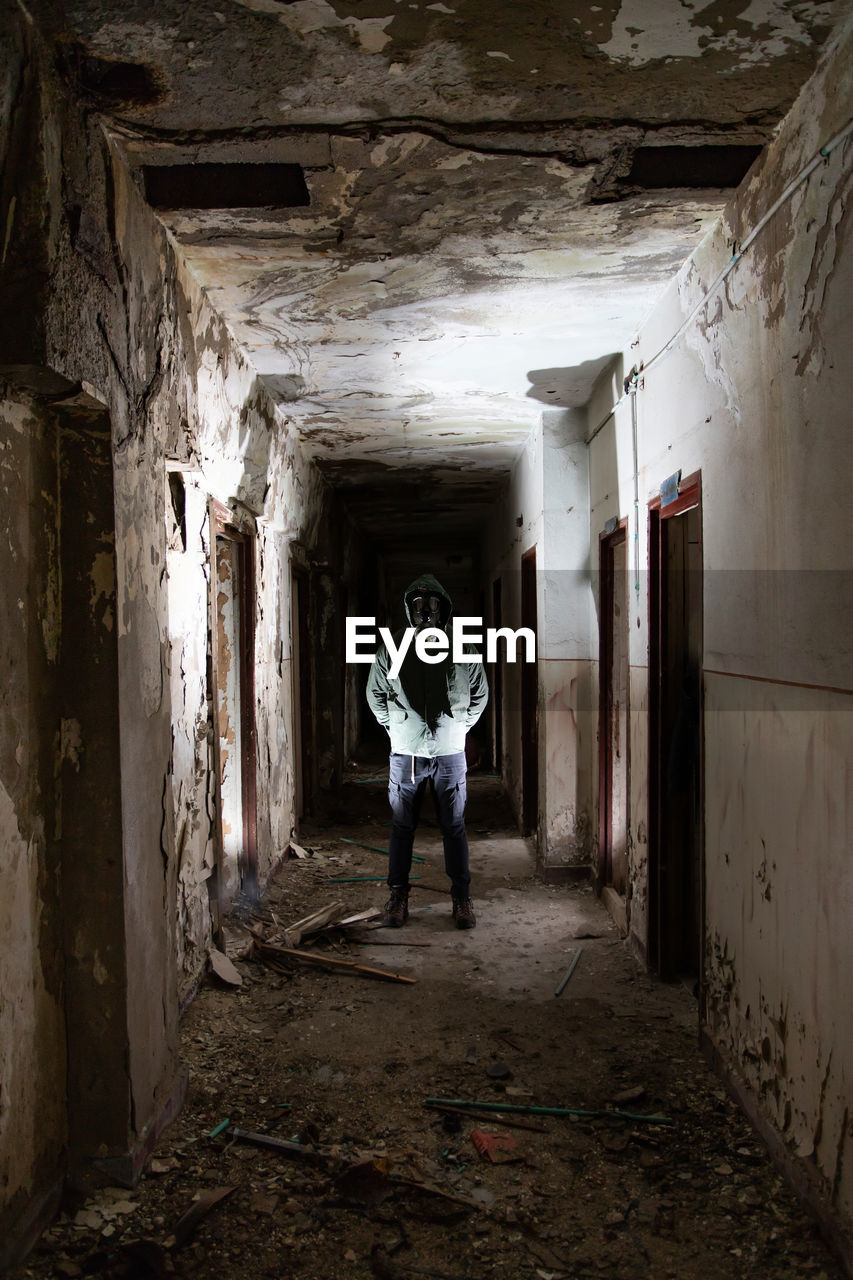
<point>612,871</point>
<point>233,661</point>
<point>676,874</point>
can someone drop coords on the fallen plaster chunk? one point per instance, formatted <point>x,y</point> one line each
<point>224,969</point>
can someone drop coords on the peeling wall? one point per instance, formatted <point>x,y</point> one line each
<point>123,318</point>
<point>757,395</point>
<point>565,644</point>
<point>33,1126</point>
<point>233,447</point>
<point>547,507</point>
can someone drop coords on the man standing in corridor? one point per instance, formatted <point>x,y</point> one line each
<point>427,709</point>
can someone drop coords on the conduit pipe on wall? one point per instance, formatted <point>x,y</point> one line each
<point>822,155</point>
<point>631,382</point>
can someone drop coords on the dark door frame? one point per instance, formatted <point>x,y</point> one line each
<point>303,684</point>
<point>224,524</point>
<point>529,702</point>
<point>607,542</point>
<point>660,932</point>
<point>497,682</point>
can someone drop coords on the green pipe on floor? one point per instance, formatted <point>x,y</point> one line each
<point>359,844</point>
<point>360,879</point>
<point>545,1111</point>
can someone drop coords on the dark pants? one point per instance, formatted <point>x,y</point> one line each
<point>447,776</point>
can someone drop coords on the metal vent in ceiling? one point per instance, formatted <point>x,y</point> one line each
<point>225,186</point>
<point>697,167</point>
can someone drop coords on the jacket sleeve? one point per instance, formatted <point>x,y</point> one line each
<point>378,687</point>
<point>479,693</point>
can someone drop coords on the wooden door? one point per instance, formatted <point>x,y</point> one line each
<point>676,889</point>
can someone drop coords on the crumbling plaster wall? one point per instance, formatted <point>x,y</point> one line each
<point>121,316</point>
<point>565,643</point>
<point>33,1128</point>
<point>214,420</point>
<point>757,396</point>
<point>546,506</point>
<point>612,493</point>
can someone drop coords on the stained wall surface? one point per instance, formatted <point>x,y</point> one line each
<point>32,1022</point>
<point>131,932</point>
<point>756,397</point>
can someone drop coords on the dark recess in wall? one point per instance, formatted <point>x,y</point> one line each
<point>110,81</point>
<point>709,166</point>
<point>225,186</point>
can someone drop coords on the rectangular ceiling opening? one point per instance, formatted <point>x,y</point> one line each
<point>698,167</point>
<point>225,186</point>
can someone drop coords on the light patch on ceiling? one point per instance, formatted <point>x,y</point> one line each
<point>787,30</point>
<point>371,32</point>
<point>646,31</point>
<point>306,16</point>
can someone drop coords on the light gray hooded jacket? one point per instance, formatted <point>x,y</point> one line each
<point>428,708</point>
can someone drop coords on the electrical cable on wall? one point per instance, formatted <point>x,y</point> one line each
<point>632,380</point>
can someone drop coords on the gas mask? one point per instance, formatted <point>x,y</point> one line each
<point>425,609</point>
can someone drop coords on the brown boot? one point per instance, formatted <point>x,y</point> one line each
<point>397,908</point>
<point>463,913</point>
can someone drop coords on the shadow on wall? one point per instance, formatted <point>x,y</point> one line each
<point>568,388</point>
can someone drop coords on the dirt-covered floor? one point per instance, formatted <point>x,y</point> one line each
<point>666,1179</point>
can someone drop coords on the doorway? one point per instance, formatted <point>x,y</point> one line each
<point>613,788</point>
<point>303,718</point>
<point>529,703</point>
<point>233,683</point>
<point>676,869</point>
<point>497,685</point>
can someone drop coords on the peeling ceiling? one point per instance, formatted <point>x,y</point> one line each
<point>474,247</point>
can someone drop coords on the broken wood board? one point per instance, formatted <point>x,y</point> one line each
<point>200,1208</point>
<point>282,1145</point>
<point>360,916</point>
<point>491,1117</point>
<point>294,933</point>
<point>331,963</point>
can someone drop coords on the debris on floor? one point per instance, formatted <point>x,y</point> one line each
<point>337,1114</point>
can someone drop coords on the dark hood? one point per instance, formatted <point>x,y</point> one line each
<point>425,684</point>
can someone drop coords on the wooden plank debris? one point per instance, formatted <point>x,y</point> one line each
<point>331,963</point>
<point>200,1208</point>
<point>491,1117</point>
<point>359,918</point>
<point>283,1145</point>
<point>313,923</point>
